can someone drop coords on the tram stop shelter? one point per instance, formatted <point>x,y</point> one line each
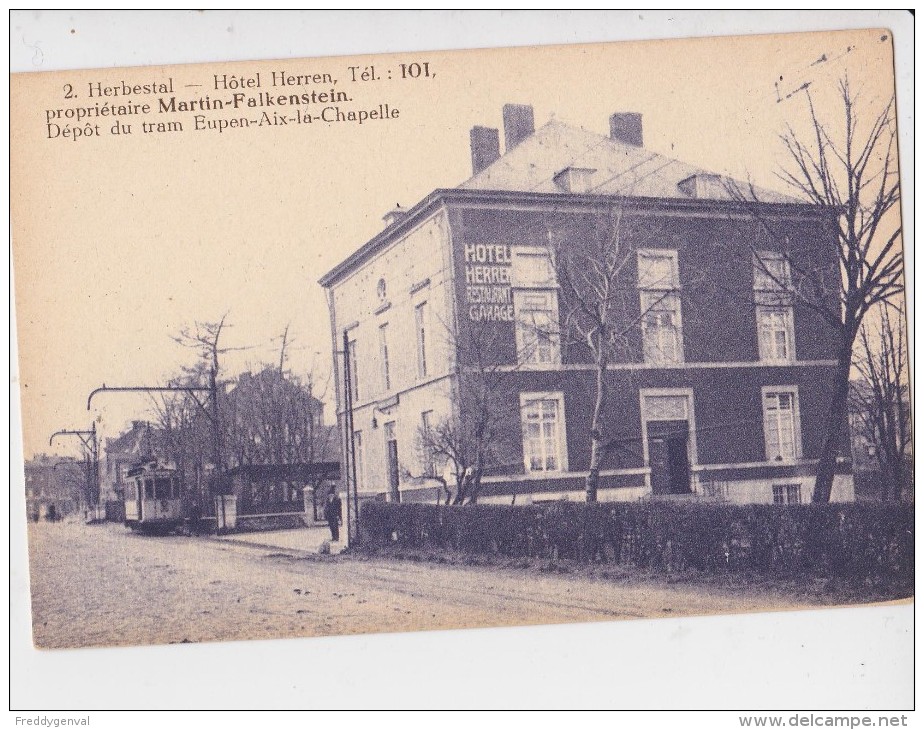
<point>278,490</point>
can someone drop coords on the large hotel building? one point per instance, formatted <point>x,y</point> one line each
<point>720,390</point>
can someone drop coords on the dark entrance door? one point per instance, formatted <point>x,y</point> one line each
<point>391,446</point>
<point>667,457</point>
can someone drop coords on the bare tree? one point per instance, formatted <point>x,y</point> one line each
<point>479,432</point>
<point>437,444</point>
<point>851,170</point>
<point>182,431</point>
<point>610,301</point>
<point>205,337</point>
<point>880,397</point>
<point>271,417</point>
<point>71,479</point>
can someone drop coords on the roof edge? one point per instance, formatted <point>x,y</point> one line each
<point>440,195</point>
<point>411,219</point>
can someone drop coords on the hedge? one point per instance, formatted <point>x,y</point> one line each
<point>867,544</point>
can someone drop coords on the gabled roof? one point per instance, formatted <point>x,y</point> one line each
<point>528,172</point>
<point>268,376</point>
<point>619,169</point>
<point>135,441</point>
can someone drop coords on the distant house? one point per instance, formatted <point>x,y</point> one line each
<point>280,453</point>
<point>55,487</point>
<point>272,419</point>
<point>725,387</point>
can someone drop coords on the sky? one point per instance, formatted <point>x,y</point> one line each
<point>120,242</point>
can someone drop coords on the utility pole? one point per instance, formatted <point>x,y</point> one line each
<point>91,447</point>
<point>349,451</point>
<point>216,431</point>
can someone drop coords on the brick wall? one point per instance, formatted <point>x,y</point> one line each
<point>719,326</point>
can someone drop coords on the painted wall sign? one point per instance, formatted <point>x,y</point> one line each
<point>487,283</point>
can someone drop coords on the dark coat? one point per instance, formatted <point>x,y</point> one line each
<point>333,510</point>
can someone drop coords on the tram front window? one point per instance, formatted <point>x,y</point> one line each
<point>149,489</point>
<point>163,488</point>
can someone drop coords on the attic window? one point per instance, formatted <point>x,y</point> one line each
<point>704,185</point>
<point>575,179</point>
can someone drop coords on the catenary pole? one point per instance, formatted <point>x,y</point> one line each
<point>91,446</point>
<point>213,413</point>
<point>350,444</point>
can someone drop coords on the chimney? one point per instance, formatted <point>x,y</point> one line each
<point>626,127</point>
<point>485,147</point>
<point>518,124</point>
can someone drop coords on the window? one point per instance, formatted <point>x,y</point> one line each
<point>358,459</point>
<point>662,329</point>
<point>666,407</point>
<point>543,432</point>
<point>781,424</point>
<point>354,371</point>
<point>420,327</point>
<point>383,353</point>
<point>537,327</point>
<point>575,179</point>
<point>771,272</point>
<point>774,333</point>
<point>775,338</point>
<point>532,268</point>
<point>658,270</point>
<point>787,494</point>
<point>535,304</point>
<point>163,488</point>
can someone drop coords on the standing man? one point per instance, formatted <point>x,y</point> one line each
<point>333,513</point>
<point>195,518</point>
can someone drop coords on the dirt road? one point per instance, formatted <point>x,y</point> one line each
<point>102,585</point>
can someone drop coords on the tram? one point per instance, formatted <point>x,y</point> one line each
<point>153,498</point>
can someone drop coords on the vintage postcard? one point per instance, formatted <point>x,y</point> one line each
<point>456,339</point>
